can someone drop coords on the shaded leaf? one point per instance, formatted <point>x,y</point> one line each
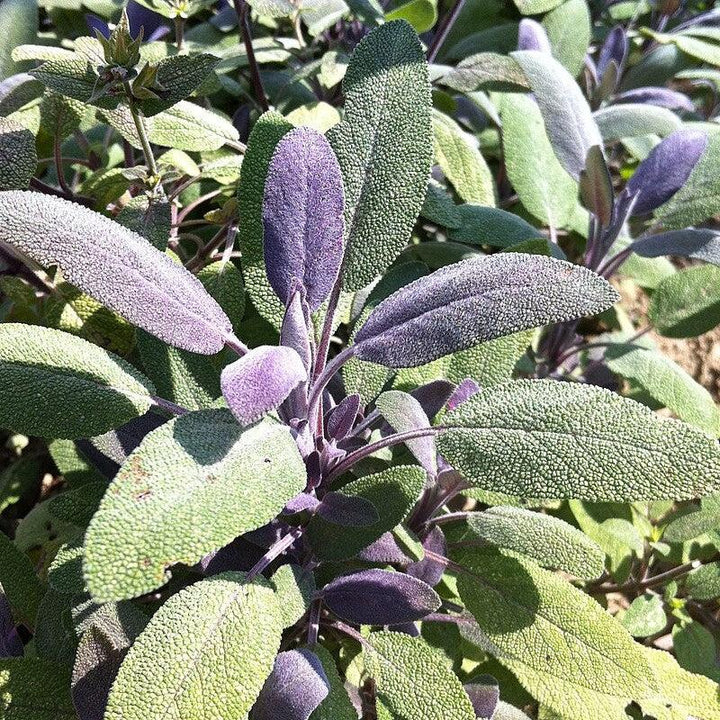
<point>34,689</point>
<point>18,159</point>
<point>698,244</point>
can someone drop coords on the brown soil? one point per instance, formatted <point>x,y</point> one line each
<point>699,356</point>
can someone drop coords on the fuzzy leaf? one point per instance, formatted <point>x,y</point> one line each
<point>34,689</point>
<point>476,300</point>
<point>270,128</point>
<point>296,686</point>
<point>568,120</point>
<point>57,385</point>
<point>384,147</point>
<point>459,158</point>
<point>687,303</point>
<point>403,412</point>
<point>549,541</point>
<point>225,283</point>
<point>543,186</point>
<point>337,705</point>
<point>413,681</point>
<point>645,616</point>
<point>545,439</point>
<point>568,27</point>
<point>666,169</point>
<point>596,188</point>
<point>18,159</point>
<point>260,380</point>
<point>491,226</point>
<point>20,583</point>
<point>206,652</point>
<point>225,481</point>
<point>393,492</point>
<point>631,120</point>
<point>667,383</point>
<point>698,244</point>
<point>19,20</point>
<point>117,267</point>
<point>486,71</point>
<point>562,646</point>
<point>380,597</point>
<point>303,217</point>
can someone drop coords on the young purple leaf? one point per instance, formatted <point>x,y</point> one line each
<point>698,244</point>
<point>117,267</point>
<point>428,570</point>
<point>433,395</point>
<point>380,597</point>
<point>614,48</point>
<point>478,299</point>
<point>484,694</point>
<point>295,687</point>
<point>342,417</point>
<point>295,327</point>
<point>403,412</point>
<point>260,380</point>
<point>665,170</point>
<point>662,97</point>
<point>384,550</point>
<point>303,217</point>
<point>465,390</point>
<point>596,188</point>
<point>347,511</point>
<point>532,36</point>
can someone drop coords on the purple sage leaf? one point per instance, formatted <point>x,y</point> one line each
<point>478,299</point>
<point>665,170</point>
<point>532,36</point>
<point>347,511</point>
<point>380,597</point>
<point>698,244</point>
<point>384,550</point>
<point>614,48</point>
<point>303,217</point>
<point>295,327</point>
<point>260,380</point>
<point>660,96</point>
<point>465,390</point>
<point>596,188</point>
<point>484,694</point>
<point>433,395</point>
<point>294,688</point>
<point>428,570</point>
<point>117,267</point>
<point>342,417</point>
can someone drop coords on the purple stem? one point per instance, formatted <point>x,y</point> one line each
<point>443,30</point>
<point>275,550</point>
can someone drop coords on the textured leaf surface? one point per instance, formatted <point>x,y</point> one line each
<point>303,217</point>
<point>460,159</point>
<point>688,303</point>
<point>561,645</point>
<point>630,120</point>
<point>205,654</point>
<point>19,20</point>
<point>384,147</point>
<point>393,492</point>
<point>549,541</point>
<point>491,226</point>
<point>541,438</point>
<point>667,382</point>
<point>224,482</point>
<point>337,705</point>
<point>267,132</point>
<point>476,300</point>
<point>58,385</point>
<point>568,120</point>
<point>18,159</point>
<point>486,70</point>
<point>543,186</point>
<point>413,681</point>
<point>20,583</point>
<point>117,267</point>
<point>568,27</point>
<point>34,689</point>
<point>698,244</point>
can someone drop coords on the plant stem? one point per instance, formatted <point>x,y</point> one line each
<point>443,30</point>
<point>275,550</point>
<point>325,376</point>
<point>242,11</point>
<point>139,121</point>
<point>168,406</point>
<point>642,585</point>
<point>179,32</point>
<point>57,154</point>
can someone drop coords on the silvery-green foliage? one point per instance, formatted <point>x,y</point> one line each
<point>321,395</point>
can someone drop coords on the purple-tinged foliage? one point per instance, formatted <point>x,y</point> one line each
<point>385,550</point>
<point>665,170</point>
<point>117,267</point>
<point>660,96</point>
<point>428,569</point>
<point>484,694</point>
<point>294,689</point>
<point>464,391</point>
<point>295,327</point>
<point>153,25</point>
<point>303,217</point>
<point>433,395</point>
<point>596,188</point>
<point>260,380</point>
<point>341,418</point>
<point>532,36</point>
<point>347,511</point>
<point>11,644</point>
<point>96,24</point>
<point>698,244</point>
<point>614,49</point>
<point>475,300</point>
<point>380,597</point>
